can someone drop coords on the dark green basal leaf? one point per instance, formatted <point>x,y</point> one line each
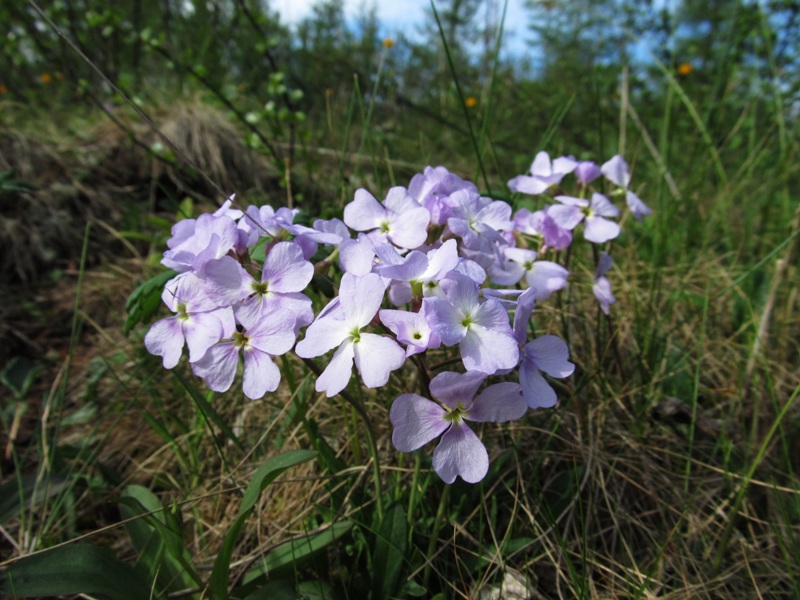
<point>286,558</point>
<point>390,552</point>
<point>158,539</point>
<point>16,493</point>
<point>266,474</point>
<point>286,590</point>
<point>74,569</point>
<point>143,303</point>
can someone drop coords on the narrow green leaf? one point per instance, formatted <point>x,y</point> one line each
<point>390,552</point>
<point>208,410</point>
<point>18,492</point>
<point>286,558</point>
<point>143,303</point>
<point>158,540</point>
<point>266,474</point>
<point>74,569</point>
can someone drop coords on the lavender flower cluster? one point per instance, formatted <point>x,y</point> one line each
<point>433,250</point>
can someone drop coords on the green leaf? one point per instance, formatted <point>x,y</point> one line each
<point>19,374</point>
<point>266,474</point>
<point>145,300</point>
<point>390,552</point>
<point>208,410</point>
<point>285,590</point>
<point>74,569</point>
<point>158,539</point>
<point>285,559</point>
<point>25,491</point>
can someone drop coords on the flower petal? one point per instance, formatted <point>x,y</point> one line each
<point>498,403</point>
<point>460,453</point>
<point>261,375</point>
<point>416,422</point>
<point>337,374</point>
<point>377,356</point>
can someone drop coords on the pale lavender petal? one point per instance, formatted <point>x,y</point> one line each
<point>322,335</point>
<point>586,172</point>
<point>460,453</point>
<point>412,267</point>
<point>572,201</point>
<point>600,230</point>
<point>165,339</point>
<point>261,375</point>
<point>441,261</point>
<point>360,298</point>
<point>603,264</point>
<point>445,320</point>
<point>416,421</point>
<point>496,215</point>
<point>376,357</point>
<point>602,291</point>
<point>564,165</point>
<point>226,282</point>
<point>488,351</point>
<point>535,389</point>
<point>202,330</point>
<point>274,335</point>
<point>523,314</point>
<point>409,229</point>
<point>356,256</point>
<point>218,366</point>
<point>551,355</point>
<point>364,212</point>
<point>493,315</point>
<point>565,216</point>
<point>638,208</point>
<point>452,388</point>
<point>337,374</point>
<point>603,207</point>
<point>285,268</point>
<point>498,403</point>
<point>528,185</point>
<point>546,277</point>
<point>462,292</point>
<point>616,171</point>
<point>541,164</point>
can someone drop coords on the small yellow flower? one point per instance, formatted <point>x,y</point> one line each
<point>45,78</point>
<point>470,101</point>
<point>388,43</point>
<point>684,69</point>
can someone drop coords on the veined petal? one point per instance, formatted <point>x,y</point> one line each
<point>285,268</point>
<point>535,389</point>
<point>452,388</point>
<point>261,375</point>
<point>377,356</point>
<point>356,256</point>
<point>337,374</point>
<point>551,355</point>
<point>460,453</point>
<point>409,228</point>
<point>202,330</point>
<point>360,298</point>
<point>498,403</point>
<point>274,335</point>
<point>218,366</point>
<point>322,335</point>
<point>600,230</point>
<point>488,351</point>
<point>603,207</point>
<point>364,212</point>
<point>416,421</point>
<point>165,339</point>
<point>445,320</point>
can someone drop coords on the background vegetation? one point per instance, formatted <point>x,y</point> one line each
<point>670,466</point>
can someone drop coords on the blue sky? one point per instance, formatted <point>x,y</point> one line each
<point>408,16</point>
